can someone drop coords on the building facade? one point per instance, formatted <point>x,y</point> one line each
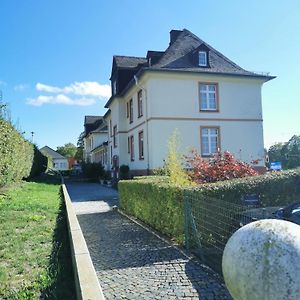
<point>212,102</point>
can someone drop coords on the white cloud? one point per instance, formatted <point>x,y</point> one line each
<point>47,88</point>
<point>85,88</point>
<point>21,87</point>
<point>89,92</point>
<point>60,99</point>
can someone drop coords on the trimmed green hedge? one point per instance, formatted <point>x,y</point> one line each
<point>274,189</point>
<point>16,156</point>
<point>159,204</point>
<point>155,203</point>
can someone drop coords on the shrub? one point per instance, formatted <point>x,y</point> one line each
<point>222,166</point>
<point>160,204</point>
<point>274,189</point>
<point>16,154</point>
<point>173,166</point>
<point>93,170</point>
<point>39,164</point>
<point>156,203</point>
<point>124,172</point>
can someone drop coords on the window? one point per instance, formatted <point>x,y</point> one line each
<point>114,87</point>
<point>208,94</point>
<point>130,111</point>
<point>110,128</point>
<point>131,148</point>
<point>128,144</point>
<point>141,145</point>
<point>115,136</point>
<point>210,141</point>
<point>127,110</point>
<point>111,154</point>
<point>202,58</point>
<point>140,103</point>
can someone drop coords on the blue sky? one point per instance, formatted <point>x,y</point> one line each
<point>56,56</point>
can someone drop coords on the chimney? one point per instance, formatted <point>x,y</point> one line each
<point>174,35</point>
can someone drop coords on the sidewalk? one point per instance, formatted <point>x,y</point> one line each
<point>131,262</point>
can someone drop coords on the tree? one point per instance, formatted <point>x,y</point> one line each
<point>291,153</point>
<point>80,144</point>
<point>287,153</point>
<point>173,166</point>
<point>275,152</point>
<point>222,166</point>
<point>68,150</point>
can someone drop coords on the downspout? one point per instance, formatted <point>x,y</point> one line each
<point>146,116</point>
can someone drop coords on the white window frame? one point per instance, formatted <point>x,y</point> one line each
<point>207,92</point>
<point>114,87</point>
<point>140,103</point>
<point>210,135</point>
<point>202,57</point>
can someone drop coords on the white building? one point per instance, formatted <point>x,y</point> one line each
<point>214,104</point>
<point>58,162</point>
<point>95,141</point>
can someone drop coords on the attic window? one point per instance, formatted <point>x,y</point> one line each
<point>114,87</point>
<point>202,58</point>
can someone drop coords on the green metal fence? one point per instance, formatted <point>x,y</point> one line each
<point>210,222</point>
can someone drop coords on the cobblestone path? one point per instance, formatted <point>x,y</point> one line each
<point>132,263</point>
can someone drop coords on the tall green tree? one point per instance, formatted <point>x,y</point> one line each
<point>68,150</point>
<point>287,153</point>
<point>291,153</point>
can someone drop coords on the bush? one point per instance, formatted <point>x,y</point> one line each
<point>39,164</point>
<point>274,189</point>
<point>222,166</point>
<point>173,165</point>
<point>124,172</point>
<point>93,170</point>
<point>156,203</point>
<point>16,154</point>
<point>160,204</point>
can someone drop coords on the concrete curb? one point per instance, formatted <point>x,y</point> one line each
<point>86,280</point>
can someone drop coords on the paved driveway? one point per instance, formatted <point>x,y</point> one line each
<point>130,261</point>
<point>90,198</point>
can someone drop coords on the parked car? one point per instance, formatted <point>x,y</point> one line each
<point>289,213</point>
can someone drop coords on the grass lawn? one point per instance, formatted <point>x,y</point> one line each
<point>35,260</point>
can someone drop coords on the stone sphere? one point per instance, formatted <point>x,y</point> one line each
<point>261,261</point>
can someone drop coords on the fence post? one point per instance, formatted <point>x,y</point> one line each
<point>186,220</point>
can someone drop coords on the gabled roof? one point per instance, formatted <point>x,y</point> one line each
<point>128,61</point>
<point>46,150</point>
<point>181,56</point>
<point>91,119</point>
<point>94,124</point>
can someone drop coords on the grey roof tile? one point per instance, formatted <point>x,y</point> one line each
<point>46,150</point>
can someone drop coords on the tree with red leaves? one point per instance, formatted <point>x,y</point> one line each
<point>222,166</point>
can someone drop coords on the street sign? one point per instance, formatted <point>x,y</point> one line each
<point>276,166</point>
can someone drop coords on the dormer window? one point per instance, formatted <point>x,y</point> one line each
<point>114,87</point>
<point>202,58</point>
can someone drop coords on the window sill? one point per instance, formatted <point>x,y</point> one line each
<point>209,110</point>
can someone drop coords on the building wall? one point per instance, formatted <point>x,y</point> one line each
<point>172,101</point>
<point>92,141</point>
<point>60,164</point>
